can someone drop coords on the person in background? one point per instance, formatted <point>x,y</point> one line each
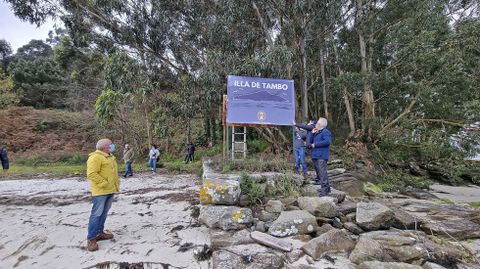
<point>128,155</point>
<point>299,150</point>
<point>319,143</point>
<point>153,155</point>
<point>309,126</point>
<point>4,159</point>
<point>102,173</point>
<point>190,156</point>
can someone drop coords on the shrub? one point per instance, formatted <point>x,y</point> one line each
<point>254,190</point>
<point>284,186</point>
<point>257,146</point>
<point>396,181</point>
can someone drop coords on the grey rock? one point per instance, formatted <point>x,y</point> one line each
<point>220,192</point>
<point>349,184</point>
<point>292,223</point>
<point>368,249</point>
<point>270,241</point>
<point>431,265</point>
<point>225,217</point>
<point>251,256</point>
<point>329,242</point>
<point>373,216</point>
<point>387,265</point>
<point>274,206</point>
<point>265,216</point>
<point>401,246</point>
<point>336,171</point>
<point>353,228</point>
<point>403,220</point>
<point>289,201</point>
<point>221,239</point>
<point>337,223</point>
<point>260,226</point>
<point>347,207</point>
<point>324,228</point>
<point>460,229</point>
<point>418,193</point>
<point>299,266</point>
<point>294,255</point>
<point>340,195</point>
<point>292,207</point>
<point>319,206</point>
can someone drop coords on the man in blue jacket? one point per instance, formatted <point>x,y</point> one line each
<point>319,144</point>
<point>4,159</point>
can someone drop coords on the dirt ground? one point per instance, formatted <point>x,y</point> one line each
<point>43,224</point>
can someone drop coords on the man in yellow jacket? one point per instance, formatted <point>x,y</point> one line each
<point>102,173</point>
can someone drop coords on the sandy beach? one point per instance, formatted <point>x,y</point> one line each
<point>44,223</point>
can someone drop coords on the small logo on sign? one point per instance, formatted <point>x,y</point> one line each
<point>261,115</point>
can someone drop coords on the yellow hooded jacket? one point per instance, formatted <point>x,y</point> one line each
<point>102,172</point>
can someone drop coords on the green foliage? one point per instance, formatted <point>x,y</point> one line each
<point>73,159</point>
<point>396,181</point>
<point>7,96</point>
<point>257,145</point>
<point>254,190</point>
<point>283,186</point>
<point>475,204</point>
<point>34,160</point>
<point>178,167</point>
<point>106,104</point>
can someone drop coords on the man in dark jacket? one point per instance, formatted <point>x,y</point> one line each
<point>4,159</point>
<point>190,153</point>
<point>319,144</point>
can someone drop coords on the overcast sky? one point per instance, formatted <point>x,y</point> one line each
<point>17,32</point>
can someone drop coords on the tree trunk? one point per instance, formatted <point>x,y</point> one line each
<point>303,79</point>
<point>346,97</point>
<point>324,87</point>
<point>367,96</point>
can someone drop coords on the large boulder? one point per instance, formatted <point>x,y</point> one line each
<point>270,241</point>
<point>293,223</point>
<point>387,265</point>
<point>220,192</point>
<point>460,229</point>
<point>329,242</point>
<point>251,256</point>
<point>368,249</point>
<point>225,217</point>
<point>373,216</point>
<point>392,245</point>
<point>221,239</point>
<point>404,221</point>
<point>319,206</point>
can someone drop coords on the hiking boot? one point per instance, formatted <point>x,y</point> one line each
<point>104,236</point>
<point>92,245</point>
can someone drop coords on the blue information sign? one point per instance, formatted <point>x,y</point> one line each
<point>264,101</point>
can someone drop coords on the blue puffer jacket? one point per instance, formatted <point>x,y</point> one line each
<point>322,141</point>
<point>4,158</point>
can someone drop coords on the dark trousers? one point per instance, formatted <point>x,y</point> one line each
<point>188,157</point>
<point>322,176</point>
<point>128,169</point>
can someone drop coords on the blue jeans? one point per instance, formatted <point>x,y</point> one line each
<point>153,164</point>
<point>299,154</point>
<point>128,169</point>
<point>322,176</point>
<point>98,216</point>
